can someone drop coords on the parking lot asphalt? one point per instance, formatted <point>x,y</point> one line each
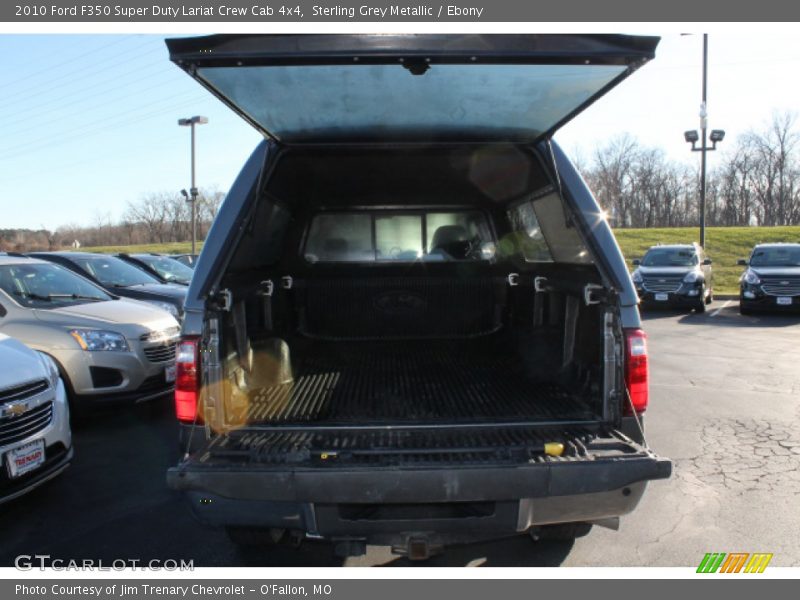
<point>724,405</point>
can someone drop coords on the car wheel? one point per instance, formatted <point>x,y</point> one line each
<point>563,532</point>
<point>743,310</point>
<point>700,307</point>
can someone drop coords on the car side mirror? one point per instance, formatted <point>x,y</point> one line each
<point>742,262</point>
<point>636,262</point>
<point>707,261</point>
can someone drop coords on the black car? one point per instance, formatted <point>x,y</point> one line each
<point>676,276</point>
<point>162,267</point>
<point>771,280</point>
<point>121,278</point>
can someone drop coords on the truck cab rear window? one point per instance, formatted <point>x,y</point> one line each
<point>386,236</point>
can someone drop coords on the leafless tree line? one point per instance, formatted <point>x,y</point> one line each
<point>159,217</point>
<point>757,181</point>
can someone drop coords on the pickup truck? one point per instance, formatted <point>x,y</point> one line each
<point>410,324</point>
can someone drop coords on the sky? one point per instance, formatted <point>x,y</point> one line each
<point>89,122</point>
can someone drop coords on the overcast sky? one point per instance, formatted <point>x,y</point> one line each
<point>89,122</point>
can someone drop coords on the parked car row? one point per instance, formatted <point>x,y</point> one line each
<point>681,276</point>
<point>77,331</point>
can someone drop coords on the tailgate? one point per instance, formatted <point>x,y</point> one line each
<point>498,463</point>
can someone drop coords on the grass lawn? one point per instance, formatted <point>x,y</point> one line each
<point>725,245</point>
<point>168,248</point>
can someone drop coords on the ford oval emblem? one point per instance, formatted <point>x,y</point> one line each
<point>400,303</point>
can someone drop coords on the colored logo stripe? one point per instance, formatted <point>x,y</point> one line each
<point>757,563</point>
<point>734,562</point>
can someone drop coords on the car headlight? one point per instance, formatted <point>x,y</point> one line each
<point>96,340</point>
<point>637,276</point>
<point>170,308</point>
<point>693,277</point>
<point>52,369</point>
<point>751,277</point>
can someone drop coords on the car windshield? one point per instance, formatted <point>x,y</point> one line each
<point>670,257</point>
<point>378,236</point>
<point>185,259</point>
<point>777,256</point>
<point>114,272</point>
<point>40,285</point>
<point>167,268</point>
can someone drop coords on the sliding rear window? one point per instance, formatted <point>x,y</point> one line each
<point>388,236</point>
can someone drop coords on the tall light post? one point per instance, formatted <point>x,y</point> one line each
<point>191,122</point>
<point>691,137</point>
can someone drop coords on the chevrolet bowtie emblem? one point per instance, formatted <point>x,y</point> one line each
<point>14,410</point>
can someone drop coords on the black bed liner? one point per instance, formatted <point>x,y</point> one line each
<point>452,382</point>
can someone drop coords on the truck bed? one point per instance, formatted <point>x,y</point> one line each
<point>421,382</point>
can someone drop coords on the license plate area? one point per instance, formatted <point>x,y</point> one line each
<point>169,374</point>
<point>662,297</point>
<point>24,459</point>
<point>784,300</point>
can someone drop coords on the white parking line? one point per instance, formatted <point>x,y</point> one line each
<point>716,312</point>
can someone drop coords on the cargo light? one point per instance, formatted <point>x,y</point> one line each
<point>636,377</point>
<point>187,383</point>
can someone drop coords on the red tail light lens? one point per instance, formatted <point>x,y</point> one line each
<point>636,378</point>
<point>187,382</point>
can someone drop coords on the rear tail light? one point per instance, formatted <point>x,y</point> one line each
<point>636,379</point>
<point>187,381</point>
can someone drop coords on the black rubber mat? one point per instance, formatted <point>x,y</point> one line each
<point>368,382</point>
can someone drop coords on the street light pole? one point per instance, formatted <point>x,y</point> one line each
<point>193,192</point>
<point>704,148</point>
<point>191,122</point>
<point>691,137</point>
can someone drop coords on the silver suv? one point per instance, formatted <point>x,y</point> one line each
<point>107,348</point>
<point>35,440</point>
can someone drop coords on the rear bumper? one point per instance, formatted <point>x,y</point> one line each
<point>320,502</point>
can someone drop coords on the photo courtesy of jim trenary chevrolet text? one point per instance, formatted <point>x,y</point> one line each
<point>291,286</point>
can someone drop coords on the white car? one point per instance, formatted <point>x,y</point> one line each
<point>35,438</point>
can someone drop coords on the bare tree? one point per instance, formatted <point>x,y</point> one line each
<point>151,211</point>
